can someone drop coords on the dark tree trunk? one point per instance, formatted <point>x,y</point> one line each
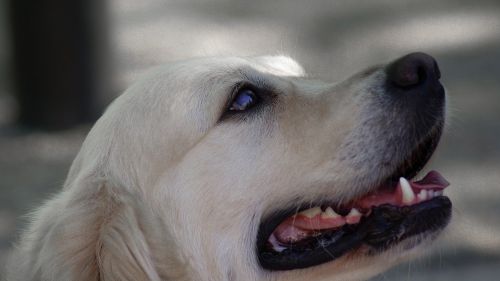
<point>58,49</point>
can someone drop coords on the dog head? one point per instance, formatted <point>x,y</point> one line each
<point>246,169</point>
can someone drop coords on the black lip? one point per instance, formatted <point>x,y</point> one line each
<point>391,224</point>
<point>386,226</point>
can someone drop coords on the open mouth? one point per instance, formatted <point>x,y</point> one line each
<point>398,209</point>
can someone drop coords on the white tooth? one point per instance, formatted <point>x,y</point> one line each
<point>329,213</point>
<point>438,193</point>
<point>422,195</point>
<point>408,195</point>
<point>354,213</point>
<point>311,213</point>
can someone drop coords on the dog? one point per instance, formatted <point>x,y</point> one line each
<point>245,168</point>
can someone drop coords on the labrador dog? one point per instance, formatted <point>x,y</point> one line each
<point>246,169</point>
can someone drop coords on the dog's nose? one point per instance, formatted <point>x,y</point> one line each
<point>413,71</point>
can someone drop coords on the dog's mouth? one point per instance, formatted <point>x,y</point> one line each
<point>398,209</point>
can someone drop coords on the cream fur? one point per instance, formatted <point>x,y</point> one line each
<point>164,190</point>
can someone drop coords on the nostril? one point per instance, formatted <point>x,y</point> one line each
<point>413,70</point>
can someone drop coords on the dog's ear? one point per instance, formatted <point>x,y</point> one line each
<point>91,232</point>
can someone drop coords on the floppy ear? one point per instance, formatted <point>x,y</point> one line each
<point>91,232</point>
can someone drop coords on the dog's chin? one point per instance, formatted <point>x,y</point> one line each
<point>398,214</point>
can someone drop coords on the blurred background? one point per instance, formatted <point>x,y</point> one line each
<point>62,62</point>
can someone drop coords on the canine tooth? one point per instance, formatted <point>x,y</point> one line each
<point>312,212</point>
<point>408,195</point>
<point>422,195</point>
<point>329,213</point>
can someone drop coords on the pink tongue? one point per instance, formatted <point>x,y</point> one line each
<point>433,180</point>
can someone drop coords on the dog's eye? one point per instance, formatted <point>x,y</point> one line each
<point>244,99</point>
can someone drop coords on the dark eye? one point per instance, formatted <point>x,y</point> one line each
<point>244,99</point>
